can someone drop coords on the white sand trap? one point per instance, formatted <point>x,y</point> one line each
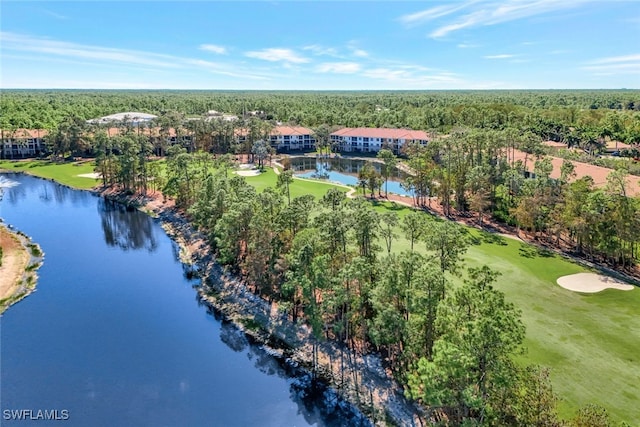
<point>253,172</point>
<point>93,175</point>
<point>591,283</point>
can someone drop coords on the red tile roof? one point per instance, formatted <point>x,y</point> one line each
<point>617,145</point>
<point>598,173</point>
<point>25,133</point>
<point>386,133</point>
<point>280,130</point>
<point>291,130</point>
<point>554,144</point>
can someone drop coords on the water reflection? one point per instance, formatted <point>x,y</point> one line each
<point>321,404</point>
<point>345,171</point>
<point>342,165</point>
<point>126,229</point>
<point>13,193</point>
<point>130,342</point>
<point>233,337</point>
<point>45,195</point>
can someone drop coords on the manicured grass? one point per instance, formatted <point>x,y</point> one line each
<point>298,187</point>
<point>64,173</point>
<point>591,342</point>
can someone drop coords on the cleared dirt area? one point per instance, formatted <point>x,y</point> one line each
<point>15,259</point>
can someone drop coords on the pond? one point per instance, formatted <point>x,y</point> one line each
<point>344,171</point>
<point>116,335</point>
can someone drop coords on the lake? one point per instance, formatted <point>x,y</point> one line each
<point>344,171</point>
<point>115,333</point>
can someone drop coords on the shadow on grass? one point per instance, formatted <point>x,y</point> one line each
<point>390,206</point>
<point>529,251</point>
<point>38,164</point>
<point>493,238</point>
<point>486,237</point>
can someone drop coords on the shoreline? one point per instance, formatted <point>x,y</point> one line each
<point>375,398</point>
<point>365,385</point>
<point>21,259</point>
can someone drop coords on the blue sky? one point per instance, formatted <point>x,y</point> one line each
<point>357,45</point>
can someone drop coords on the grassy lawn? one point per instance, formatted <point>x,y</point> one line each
<point>591,342</point>
<point>64,173</point>
<point>298,187</point>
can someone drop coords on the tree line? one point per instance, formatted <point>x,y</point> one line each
<point>474,170</point>
<point>331,263</point>
<point>322,263</point>
<point>573,116</point>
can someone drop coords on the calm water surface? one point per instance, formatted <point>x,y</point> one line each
<point>114,332</point>
<point>344,171</point>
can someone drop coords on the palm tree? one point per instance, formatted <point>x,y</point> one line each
<point>321,134</point>
<point>390,161</point>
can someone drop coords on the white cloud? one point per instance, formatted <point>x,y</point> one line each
<point>467,21</point>
<point>319,50</point>
<point>53,14</point>
<point>467,45</point>
<point>483,13</point>
<point>47,48</point>
<point>338,67</point>
<point>406,76</point>
<point>614,59</point>
<point>277,54</point>
<point>500,56</point>
<point>626,64</point>
<point>360,53</point>
<point>18,42</point>
<point>220,50</point>
<point>432,13</point>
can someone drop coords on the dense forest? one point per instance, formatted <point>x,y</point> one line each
<point>570,115</point>
<point>451,346</point>
<point>332,263</point>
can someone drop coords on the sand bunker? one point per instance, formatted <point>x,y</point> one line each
<point>93,175</point>
<point>591,283</point>
<point>253,172</point>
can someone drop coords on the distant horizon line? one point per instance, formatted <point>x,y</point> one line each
<point>316,90</point>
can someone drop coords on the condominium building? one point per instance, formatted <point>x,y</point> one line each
<point>284,138</point>
<point>365,140</point>
<point>21,143</point>
<point>288,138</point>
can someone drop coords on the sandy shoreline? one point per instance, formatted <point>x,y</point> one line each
<point>19,263</point>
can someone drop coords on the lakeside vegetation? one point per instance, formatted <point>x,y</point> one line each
<point>559,335</point>
<point>450,308</point>
<point>64,173</point>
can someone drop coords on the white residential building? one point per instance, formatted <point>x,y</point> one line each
<point>22,143</point>
<point>291,138</point>
<point>371,140</point>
